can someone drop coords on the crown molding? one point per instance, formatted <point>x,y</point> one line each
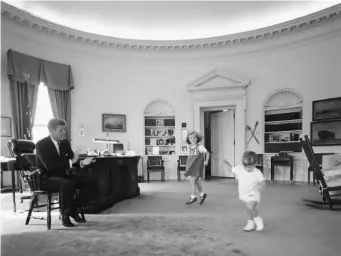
<point>311,21</point>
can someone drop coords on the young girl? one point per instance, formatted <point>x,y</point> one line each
<point>250,184</point>
<point>197,160</point>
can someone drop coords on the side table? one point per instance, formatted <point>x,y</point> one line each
<point>284,161</point>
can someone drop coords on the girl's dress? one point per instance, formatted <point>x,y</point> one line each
<point>195,162</point>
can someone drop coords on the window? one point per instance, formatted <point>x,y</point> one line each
<point>43,114</point>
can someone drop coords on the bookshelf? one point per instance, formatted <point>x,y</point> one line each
<point>283,118</point>
<point>159,135</point>
<point>283,128</point>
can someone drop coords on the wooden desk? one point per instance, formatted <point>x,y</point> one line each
<point>10,166</point>
<point>282,160</point>
<point>114,179</point>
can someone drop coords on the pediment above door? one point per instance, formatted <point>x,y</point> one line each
<point>218,83</point>
<point>217,79</point>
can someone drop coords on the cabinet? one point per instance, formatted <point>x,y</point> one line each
<point>160,135</point>
<point>282,130</point>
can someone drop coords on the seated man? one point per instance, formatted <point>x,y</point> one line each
<point>55,159</point>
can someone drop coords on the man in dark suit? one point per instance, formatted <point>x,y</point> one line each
<point>56,158</point>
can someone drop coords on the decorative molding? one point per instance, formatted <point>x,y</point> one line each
<point>217,79</point>
<point>159,108</point>
<point>34,23</point>
<point>295,96</point>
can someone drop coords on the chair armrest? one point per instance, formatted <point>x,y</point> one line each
<point>36,171</point>
<point>328,172</point>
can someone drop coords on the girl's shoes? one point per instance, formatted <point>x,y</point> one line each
<point>191,200</point>
<point>202,198</point>
<point>250,226</point>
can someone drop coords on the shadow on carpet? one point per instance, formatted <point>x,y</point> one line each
<point>320,205</point>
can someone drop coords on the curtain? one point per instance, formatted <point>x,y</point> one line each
<point>32,102</point>
<point>61,107</point>
<point>24,101</point>
<point>25,72</point>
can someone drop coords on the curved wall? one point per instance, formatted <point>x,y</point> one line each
<point>123,81</point>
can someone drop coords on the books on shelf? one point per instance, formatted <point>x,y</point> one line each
<point>155,150</point>
<point>159,135</point>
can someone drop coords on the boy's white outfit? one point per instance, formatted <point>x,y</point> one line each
<point>247,181</point>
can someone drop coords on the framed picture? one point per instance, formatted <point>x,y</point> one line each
<point>183,135</point>
<point>184,149</point>
<point>325,133</point>
<point>113,123</point>
<point>6,127</point>
<point>327,109</point>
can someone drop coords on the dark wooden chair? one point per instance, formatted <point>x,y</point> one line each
<point>31,174</point>
<point>17,147</point>
<point>182,161</point>
<point>328,180</point>
<point>154,164</point>
<point>259,164</point>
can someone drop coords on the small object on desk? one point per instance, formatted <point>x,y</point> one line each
<point>130,153</point>
<point>94,152</point>
<point>105,152</point>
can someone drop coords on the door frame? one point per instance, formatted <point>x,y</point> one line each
<point>234,132</point>
<point>239,105</point>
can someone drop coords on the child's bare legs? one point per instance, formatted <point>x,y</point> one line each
<point>254,222</point>
<point>251,208</point>
<point>193,185</point>
<point>196,184</point>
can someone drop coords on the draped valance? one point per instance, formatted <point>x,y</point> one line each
<point>22,67</point>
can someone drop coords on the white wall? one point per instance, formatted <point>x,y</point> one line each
<point>110,80</point>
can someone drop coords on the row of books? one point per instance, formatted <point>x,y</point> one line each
<point>155,141</point>
<point>283,116</point>
<point>158,132</point>
<point>282,137</point>
<point>159,150</point>
<point>159,122</point>
<point>283,127</point>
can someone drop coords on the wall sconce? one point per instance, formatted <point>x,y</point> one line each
<point>81,131</point>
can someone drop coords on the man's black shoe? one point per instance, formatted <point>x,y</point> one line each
<point>77,218</point>
<point>202,199</point>
<point>66,221</point>
<point>191,200</point>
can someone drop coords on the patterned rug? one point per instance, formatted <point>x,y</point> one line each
<point>200,236</point>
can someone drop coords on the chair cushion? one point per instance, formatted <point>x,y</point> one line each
<point>333,181</point>
<point>331,171</point>
<point>155,167</point>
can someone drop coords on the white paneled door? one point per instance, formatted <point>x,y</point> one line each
<point>222,139</point>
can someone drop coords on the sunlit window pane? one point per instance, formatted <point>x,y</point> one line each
<point>43,114</point>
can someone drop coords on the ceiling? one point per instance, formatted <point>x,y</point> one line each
<point>169,20</point>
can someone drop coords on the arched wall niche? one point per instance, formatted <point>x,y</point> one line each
<point>159,107</point>
<point>283,98</point>
<point>160,133</point>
